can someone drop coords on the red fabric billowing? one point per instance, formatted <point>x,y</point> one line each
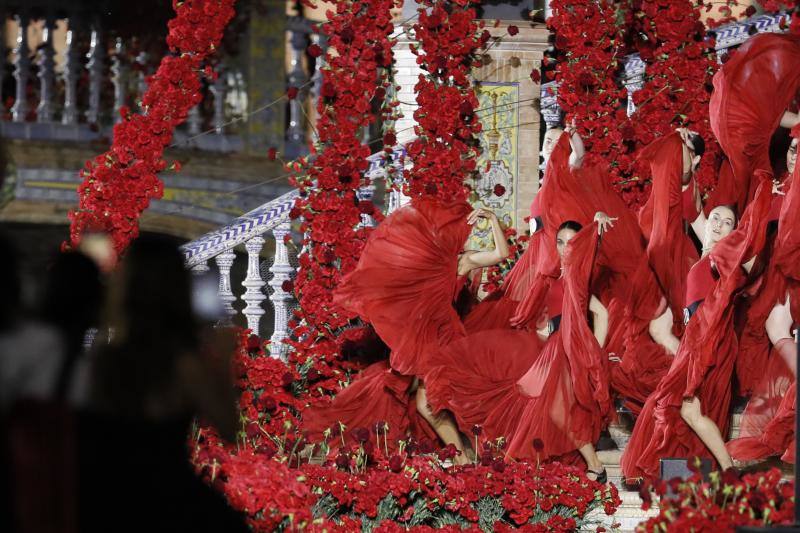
<point>502,381</point>
<point>700,281</point>
<point>725,192</point>
<point>751,92</point>
<point>670,251</point>
<point>768,429</point>
<point>405,281</point>
<point>704,363</point>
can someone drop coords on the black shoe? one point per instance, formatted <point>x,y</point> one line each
<point>601,477</point>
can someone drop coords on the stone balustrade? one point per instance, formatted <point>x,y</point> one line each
<point>72,78</point>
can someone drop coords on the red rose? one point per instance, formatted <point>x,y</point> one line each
<point>476,430</point>
<point>360,434</point>
<point>314,50</point>
<point>389,139</point>
<point>287,286</point>
<point>513,30</point>
<point>253,343</point>
<point>486,459</point>
<point>287,379</point>
<point>536,76</point>
<point>272,154</point>
<point>538,445</point>
<point>312,374</point>
<point>267,404</point>
<point>561,42</point>
<point>498,465</point>
<point>499,190</point>
<point>291,93</point>
<point>750,11</point>
<point>395,463</point>
<point>295,213</point>
<point>342,461</point>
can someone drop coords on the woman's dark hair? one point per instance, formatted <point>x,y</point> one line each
<point>779,144</point>
<point>157,327</point>
<point>570,224</point>
<point>698,144</point>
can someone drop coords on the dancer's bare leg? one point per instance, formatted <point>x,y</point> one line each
<point>593,464</point>
<point>707,430</point>
<point>443,424</point>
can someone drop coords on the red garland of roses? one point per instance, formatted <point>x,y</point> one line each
<point>446,148</point>
<point>119,184</point>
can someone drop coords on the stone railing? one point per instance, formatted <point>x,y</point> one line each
<point>726,37</point>
<point>68,75</point>
<point>271,221</point>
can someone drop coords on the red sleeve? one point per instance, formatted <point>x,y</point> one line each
<point>666,247</point>
<point>751,92</point>
<point>583,352</point>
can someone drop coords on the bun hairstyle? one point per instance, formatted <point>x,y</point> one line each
<point>570,224</point>
<point>698,144</point>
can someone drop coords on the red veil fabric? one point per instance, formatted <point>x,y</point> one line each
<point>499,379</point>
<point>662,271</point>
<point>768,421</point>
<point>404,285</point>
<point>704,363</point>
<point>751,92</point>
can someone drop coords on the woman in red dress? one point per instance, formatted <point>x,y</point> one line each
<point>558,395</point>
<point>688,413</point>
<point>409,274</point>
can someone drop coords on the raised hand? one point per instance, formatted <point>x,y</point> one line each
<point>604,222</point>
<point>480,213</point>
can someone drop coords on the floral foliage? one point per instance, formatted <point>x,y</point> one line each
<point>446,148</point>
<point>119,184</point>
<point>722,503</point>
<point>358,63</point>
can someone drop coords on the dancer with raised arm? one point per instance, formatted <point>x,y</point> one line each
<point>405,283</point>
<point>688,413</point>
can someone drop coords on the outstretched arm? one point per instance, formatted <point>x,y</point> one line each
<point>471,261</point>
<point>599,320</point>
<point>576,143</point>
<point>790,120</point>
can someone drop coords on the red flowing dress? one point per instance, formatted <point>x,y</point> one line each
<point>703,366</point>
<point>752,90</point>
<point>767,426</point>
<point>558,395</point>
<point>662,271</point>
<point>405,284</point>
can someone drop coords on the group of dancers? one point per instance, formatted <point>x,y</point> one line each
<point>606,306</point>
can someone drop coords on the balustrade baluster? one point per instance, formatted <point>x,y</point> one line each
<point>141,85</point>
<point>193,120</point>
<point>22,63</point>
<point>72,67</point>
<point>281,271</point>
<point>219,89</point>
<point>295,134</point>
<point>47,73</point>
<point>95,66</point>
<point>120,70</point>
<point>200,268</point>
<point>224,263</point>
<point>253,295</point>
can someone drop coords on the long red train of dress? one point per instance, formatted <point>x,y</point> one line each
<point>404,285</point>
<point>751,92</point>
<point>703,366</point>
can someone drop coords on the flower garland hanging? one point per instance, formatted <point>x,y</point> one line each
<point>446,148</point>
<point>119,184</point>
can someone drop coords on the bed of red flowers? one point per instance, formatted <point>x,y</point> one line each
<point>366,486</point>
<point>721,503</point>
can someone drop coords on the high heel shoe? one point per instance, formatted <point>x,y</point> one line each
<point>601,477</point>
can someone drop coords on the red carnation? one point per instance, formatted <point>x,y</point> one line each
<point>499,190</point>
<point>328,90</point>
<point>498,465</point>
<point>343,461</point>
<point>287,379</point>
<point>267,403</point>
<point>312,374</point>
<point>476,430</point>
<point>287,286</point>
<point>561,42</point>
<point>253,343</point>
<point>486,459</point>
<point>294,213</point>
<point>750,11</point>
<point>513,30</point>
<point>395,463</point>
<point>389,139</point>
<point>315,50</point>
<point>291,93</point>
<point>272,154</point>
<point>536,76</point>
<point>730,476</point>
<point>360,434</point>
